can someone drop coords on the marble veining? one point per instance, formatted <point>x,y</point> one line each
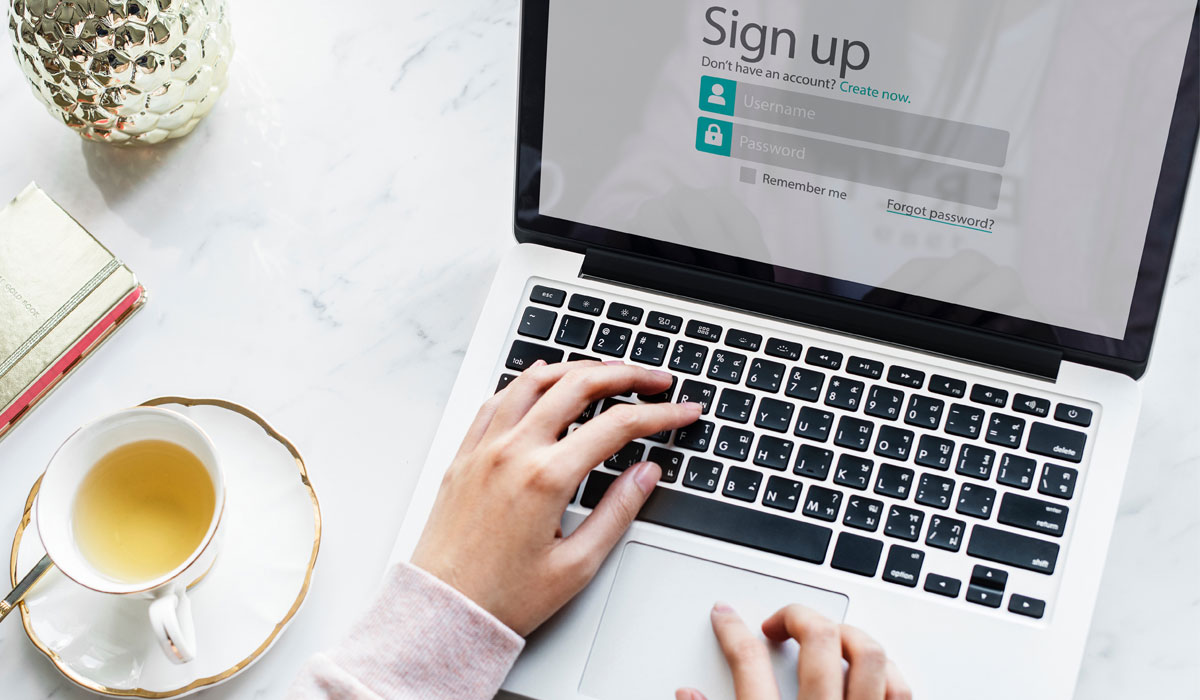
<point>318,250</point>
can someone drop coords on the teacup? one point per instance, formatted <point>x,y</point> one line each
<point>75,480</point>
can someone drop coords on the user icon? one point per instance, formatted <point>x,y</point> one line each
<point>717,96</point>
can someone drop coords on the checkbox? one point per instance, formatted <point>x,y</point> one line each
<point>749,176</point>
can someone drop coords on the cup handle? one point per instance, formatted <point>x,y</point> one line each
<point>171,619</point>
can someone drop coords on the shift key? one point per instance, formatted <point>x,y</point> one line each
<point>1053,441</point>
<point>1013,549</point>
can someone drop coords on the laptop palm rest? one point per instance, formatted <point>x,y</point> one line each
<point>655,635</point>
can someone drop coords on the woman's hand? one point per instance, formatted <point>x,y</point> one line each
<point>494,531</point>
<point>821,671</point>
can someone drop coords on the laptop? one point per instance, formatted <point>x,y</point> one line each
<point>910,257</point>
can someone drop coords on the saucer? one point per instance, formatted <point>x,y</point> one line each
<point>261,575</point>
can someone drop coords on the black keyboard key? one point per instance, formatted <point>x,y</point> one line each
<point>813,462</point>
<point>734,443</point>
<point>626,457</point>
<point>904,376</point>
<point>856,554</point>
<point>689,357</point>
<point>662,437</point>
<point>574,331</point>
<point>883,402</point>
<point>537,323</point>
<point>1023,403</point>
<point>1058,481</point>
<point>612,340</point>
<point>1016,471</point>
<point>611,402</point>
<point>670,461</point>
<point>774,453</point>
<point>844,393</point>
<point>727,366</point>
<point>698,392</point>
<point>1074,415</point>
<point>662,396</point>
<point>584,304</point>
<point>505,380</point>
<point>735,405</point>
<point>935,491</point>
<point>578,356</point>
<point>1052,441</point>
<point>624,313</point>
<point>703,330</point>
<point>589,413</point>
<point>894,481</point>
<point>945,533</point>
<point>1033,515</point>
<point>1013,549</point>
<point>744,340</point>
<point>814,424</point>
<point>964,421</point>
<point>863,513</point>
<point>742,484</point>
<point>986,586</point>
<point>924,412</point>
<point>702,474</point>
<point>943,585</point>
<point>523,354</point>
<point>782,494</point>
<point>774,414</point>
<point>854,433</point>
<point>904,523</point>
<point>784,348</point>
<point>862,367</point>
<point>1029,607</point>
<point>894,443</point>
<point>946,386</point>
<point>696,436</point>
<point>976,501</point>
<point>903,566</point>
<point>976,462</point>
<point>820,357</point>
<point>1005,431</point>
<point>765,375</point>
<point>935,452</point>
<point>854,472</point>
<point>547,295</point>
<point>822,503</point>
<point>664,322</point>
<point>724,521</point>
<point>805,384</point>
<point>650,349</point>
<point>989,396</point>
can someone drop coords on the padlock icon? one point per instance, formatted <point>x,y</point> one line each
<point>713,136</point>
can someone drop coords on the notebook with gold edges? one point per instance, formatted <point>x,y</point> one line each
<point>62,294</point>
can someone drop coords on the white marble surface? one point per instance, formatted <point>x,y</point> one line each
<point>318,250</point>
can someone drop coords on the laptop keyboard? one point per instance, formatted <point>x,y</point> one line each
<point>923,479</point>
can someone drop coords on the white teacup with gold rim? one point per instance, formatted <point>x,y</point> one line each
<point>131,505</point>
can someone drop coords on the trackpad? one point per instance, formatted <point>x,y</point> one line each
<point>655,634</point>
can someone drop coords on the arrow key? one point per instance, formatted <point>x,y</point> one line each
<point>1029,607</point>
<point>987,586</point>
<point>943,585</point>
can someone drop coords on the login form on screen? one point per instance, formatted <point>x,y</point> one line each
<point>999,154</point>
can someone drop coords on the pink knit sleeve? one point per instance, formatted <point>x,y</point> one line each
<point>420,639</point>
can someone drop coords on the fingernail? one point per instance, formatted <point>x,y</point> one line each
<point>661,374</point>
<point>539,363</point>
<point>645,478</point>
<point>693,404</point>
<point>720,608</point>
<point>614,362</point>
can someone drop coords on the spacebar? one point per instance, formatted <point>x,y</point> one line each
<point>722,521</point>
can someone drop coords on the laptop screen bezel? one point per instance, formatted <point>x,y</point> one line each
<point>1128,355</point>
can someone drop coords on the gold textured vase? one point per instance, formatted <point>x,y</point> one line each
<point>124,71</point>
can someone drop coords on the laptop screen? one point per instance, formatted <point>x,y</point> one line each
<point>992,161</point>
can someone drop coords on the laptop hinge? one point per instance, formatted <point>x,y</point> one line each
<point>811,309</point>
